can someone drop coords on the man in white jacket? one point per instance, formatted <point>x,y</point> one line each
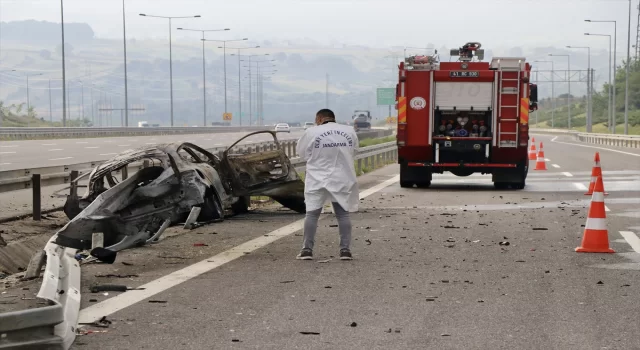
<point>329,149</point>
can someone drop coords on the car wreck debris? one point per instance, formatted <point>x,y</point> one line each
<point>183,183</point>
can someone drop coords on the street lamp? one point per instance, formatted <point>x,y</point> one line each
<point>28,102</point>
<point>612,123</point>
<point>204,86</point>
<point>553,96</point>
<point>615,45</point>
<point>240,78</point>
<point>64,79</point>
<point>170,53</point>
<point>251,86</point>
<point>589,82</point>
<point>626,89</point>
<point>224,58</point>
<point>569,87</point>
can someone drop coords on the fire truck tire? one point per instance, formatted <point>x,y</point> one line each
<point>418,176</point>
<point>501,185</point>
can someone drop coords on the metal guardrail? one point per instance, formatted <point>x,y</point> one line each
<point>629,141</point>
<point>54,326</point>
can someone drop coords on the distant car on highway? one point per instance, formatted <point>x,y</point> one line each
<point>308,125</point>
<point>283,127</point>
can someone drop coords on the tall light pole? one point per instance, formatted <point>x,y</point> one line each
<point>553,96</point>
<point>126,92</point>
<point>204,83</point>
<point>251,86</point>
<point>50,105</point>
<point>82,98</point>
<point>240,77</point>
<point>224,58</point>
<point>64,79</point>
<point>626,89</point>
<point>569,87</point>
<point>611,122</point>
<point>28,102</point>
<point>589,82</point>
<point>615,59</point>
<point>170,53</point>
<point>258,75</point>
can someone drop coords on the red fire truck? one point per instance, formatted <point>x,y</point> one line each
<point>464,117</point>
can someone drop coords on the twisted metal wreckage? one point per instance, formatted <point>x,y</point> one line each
<point>182,183</point>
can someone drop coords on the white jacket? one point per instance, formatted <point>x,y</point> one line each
<point>329,151</point>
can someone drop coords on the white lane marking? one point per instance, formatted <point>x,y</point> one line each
<point>632,239</point>
<point>82,142</point>
<point>553,139</point>
<point>547,160</point>
<point>606,208</point>
<point>61,158</point>
<point>5,163</point>
<point>580,186</point>
<point>124,145</point>
<point>108,154</point>
<point>56,149</point>
<point>119,302</point>
<point>555,165</point>
<point>604,149</point>
<point>7,152</point>
<point>91,147</point>
<point>9,146</point>
<point>567,174</point>
<point>49,144</point>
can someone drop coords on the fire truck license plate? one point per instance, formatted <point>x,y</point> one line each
<point>464,74</point>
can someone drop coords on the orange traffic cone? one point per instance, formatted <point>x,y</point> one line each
<point>532,150</point>
<point>596,172</point>
<point>595,238</point>
<point>540,163</point>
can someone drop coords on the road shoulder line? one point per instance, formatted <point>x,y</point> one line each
<point>632,239</point>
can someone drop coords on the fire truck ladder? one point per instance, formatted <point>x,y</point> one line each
<point>509,70</point>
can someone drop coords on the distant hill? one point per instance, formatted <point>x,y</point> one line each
<point>31,32</point>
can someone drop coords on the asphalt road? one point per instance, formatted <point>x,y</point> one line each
<point>429,271</point>
<point>41,153</point>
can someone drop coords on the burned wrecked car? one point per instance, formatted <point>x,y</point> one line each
<point>175,183</point>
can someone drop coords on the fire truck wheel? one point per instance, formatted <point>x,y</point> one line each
<point>424,184</point>
<point>406,184</point>
<point>501,185</point>
<point>518,185</point>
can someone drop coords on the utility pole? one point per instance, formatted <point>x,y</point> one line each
<point>126,92</point>
<point>64,79</point>
<point>50,107</point>
<point>638,35</point>
<point>626,91</point>
<point>93,119</point>
<point>326,93</point>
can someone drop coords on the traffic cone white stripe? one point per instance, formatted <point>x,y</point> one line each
<point>598,197</point>
<point>596,224</point>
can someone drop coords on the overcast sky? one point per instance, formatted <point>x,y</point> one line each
<point>495,23</point>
